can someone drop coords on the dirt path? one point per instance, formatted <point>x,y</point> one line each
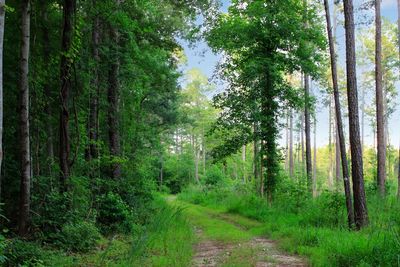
<point>242,247</point>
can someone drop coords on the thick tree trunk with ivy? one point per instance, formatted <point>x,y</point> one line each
<point>269,134</point>
<point>380,120</point>
<point>66,73</point>
<point>113,106</point>
<point>2,20</point>
<point>25,156</point>
<point>360,205</point>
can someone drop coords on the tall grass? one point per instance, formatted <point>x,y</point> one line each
<point>316,227</point>
<point>166,241</point>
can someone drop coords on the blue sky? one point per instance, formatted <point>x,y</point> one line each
<point>201,57</point>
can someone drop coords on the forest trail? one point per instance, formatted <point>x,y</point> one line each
<point>224,239</point>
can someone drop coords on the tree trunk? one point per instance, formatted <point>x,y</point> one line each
<point>330,174</point>
<point>339,123</point>
<point>46,87</point>
<point>314,176</point>
<point>2,20</point>
<point>337,154</point>
<point>308,132</point>
<point>244,163</point>
<point>66,72</point>
<point>287,142</point>
<point>25,157</point>
<point>113,106</point>
<point>360,205</point>
<point>291,160</point>
<point>256,153</point>
<point>380,120</point>
<point>398,39</point>
<point>94,91</point>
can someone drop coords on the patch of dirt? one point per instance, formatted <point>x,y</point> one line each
<point>210,253</point>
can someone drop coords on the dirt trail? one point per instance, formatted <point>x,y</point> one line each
<point>258,252</point>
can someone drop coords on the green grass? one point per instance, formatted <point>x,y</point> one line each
<point>315,228</point>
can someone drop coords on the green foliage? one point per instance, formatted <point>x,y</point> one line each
<point>23,253</point>
<point>214,176</point>
<point>79,237</point>
<point>114,213</point>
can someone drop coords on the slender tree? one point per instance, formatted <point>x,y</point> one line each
<point>398,40</point>
<point>339,122</point>
<point>307,130</point>
<point>94,90</point>
<point>380,120</point>
<point>25,156</point>
<point>113,104</point>
<point>46,87</point>
<point>65,77</point>
<point>291,159</point>
<point>2,20</point>
<point>360,205</point>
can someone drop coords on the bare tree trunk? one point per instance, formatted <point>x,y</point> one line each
<point>380,120</point>
<point>203,143</point>
<point>2,20</point>
<point>314,177</point>
<point>330,174</point>
<point>256,153</point>
<point>244,163</point>
<point>302,144</point>
<point>308,132</point>
<point>113,106</point>
<point>66,71</point>
<point>94,91</point>
<point>291,161</point>
<point>24,208</point>
<point>345,170</point>
<point>360,205</point>
<point>196,163</point>
<point>398,39</point>
<point>287,142</point>
<point>337,154</point>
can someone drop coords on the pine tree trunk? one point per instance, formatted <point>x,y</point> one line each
<point>256,153</point>
<point>398,39</point>
<point>308,132</point>
<point>94,91</point>
<point>339,123</point>
<point>113,106</point>
<point>291,160</point>
<point>2,20</point>
<point>244,163</point>
<point>314,176</point>
<point>330,174</point>
<point>380,120</point>
<point>24,208</point>
<point>360,205</point>
<point>66,72</point>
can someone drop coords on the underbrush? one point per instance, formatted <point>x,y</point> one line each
<point>316,228</point>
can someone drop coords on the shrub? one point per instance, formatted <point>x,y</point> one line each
<point>79,237</point>
<point>214,176</point>
<point>114,213</point>
<point>22,253</point>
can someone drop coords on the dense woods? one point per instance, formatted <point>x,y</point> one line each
<point>114,144</point>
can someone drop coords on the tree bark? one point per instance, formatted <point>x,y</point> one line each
<point>360,205</point>
<point>398,40</point>
<point>308,131</point>
<point>65,76</point>
<point>2,20</point>
<point>339,123</point>
<point>330,174</point>
<point>314,176</point>
<point>113,107</point>
<point>94,91</point>
<point>380,120</point>
<point>25,157</point>
<point>291,160</point>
